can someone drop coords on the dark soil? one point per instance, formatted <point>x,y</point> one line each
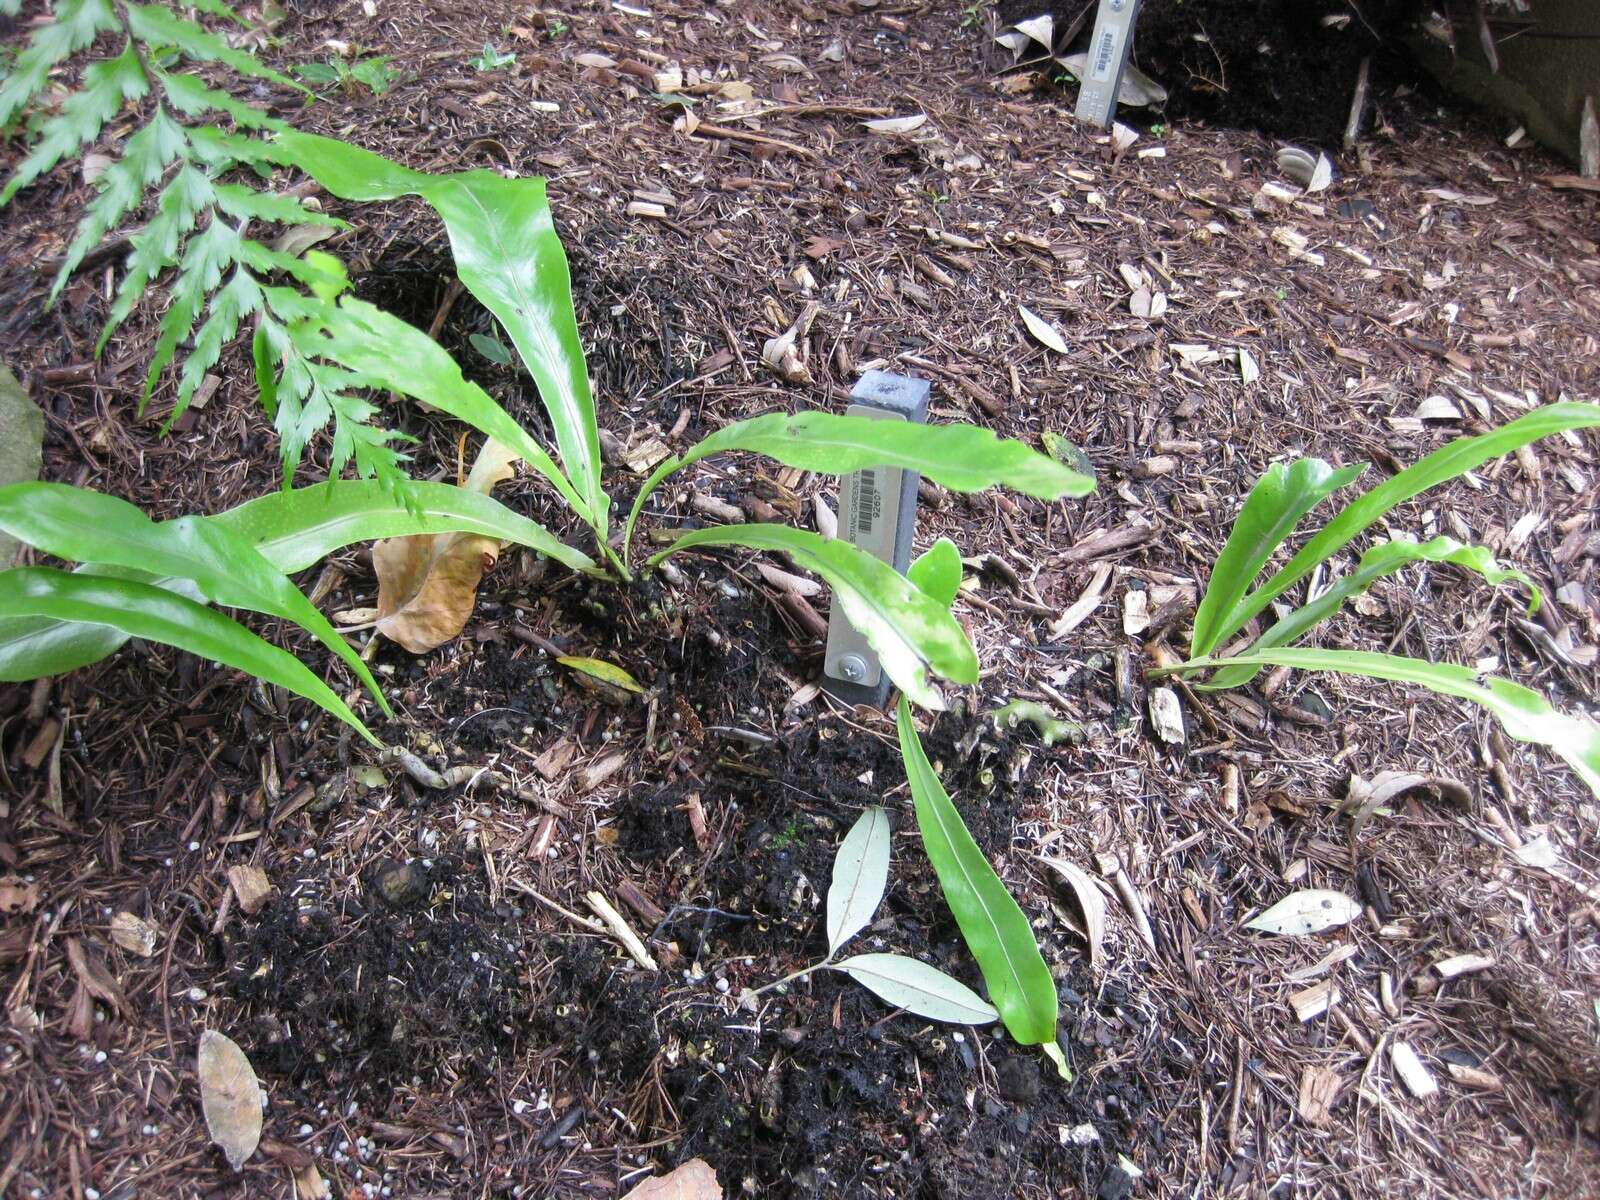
<point>1287,68</point>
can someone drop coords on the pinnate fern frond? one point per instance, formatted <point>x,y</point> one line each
<point>76,24</point>
<point>197,166</point>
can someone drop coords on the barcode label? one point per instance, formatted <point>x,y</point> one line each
<point>1105,56</point>
<point>868,502</point>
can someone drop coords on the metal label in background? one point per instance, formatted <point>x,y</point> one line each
<point>1108,57</point>
<point>869,516</point>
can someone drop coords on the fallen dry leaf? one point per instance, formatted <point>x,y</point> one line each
<point>1302,913</point>
<point>230,1097</point>
<point>694,1180</point>
<point>428,582</point>
<point>1090,902</point>
<point>17,895</point>
<point>1043,331</point>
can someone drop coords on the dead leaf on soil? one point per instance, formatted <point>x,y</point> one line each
<point>1306,912</point>
<point>134,934</point>
<point>897,124</point>
<point>230,1097</point>
<point>610,677</point>
<point>1043,332</point>
<point>428,582</point>
<point>1091,902</point>
<point>694,1180</point>
<point>17,895</point>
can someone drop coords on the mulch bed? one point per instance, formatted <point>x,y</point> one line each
<point>429,1013</point>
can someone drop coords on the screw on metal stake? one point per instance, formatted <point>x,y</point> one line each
<point>878,514</point>
<point>1108,57</point>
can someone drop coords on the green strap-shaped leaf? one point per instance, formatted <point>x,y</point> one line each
<point>509,257</point>
<point>1524,713</point>
<point>1444,464</point>
<point>33,647</point>
<point>107,86</point>
<point>860,874</point>
<point>74,26</point>
<point>910,631</point>
<point>389,353</point>
<point>994,927</point>
<point>964,458</point>
<point>1380,560</point>
<point>1274,507</point>
<point>88,527</point>
<point>143,611</point>
<point>158,26</point>
<point>294,529</point>
<point>937,571</point>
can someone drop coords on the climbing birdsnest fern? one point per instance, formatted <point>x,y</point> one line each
<point>202,187</point>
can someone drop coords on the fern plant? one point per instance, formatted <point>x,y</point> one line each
<point>204,187</point>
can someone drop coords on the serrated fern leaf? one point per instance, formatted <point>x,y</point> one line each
<point>145,157</point>
<point>160,27</point>
<point>193,98</point>
<point>221,151</point>
<point>242,203</point>
<point>237,299</point>
<point>107,86</point>
<point>156,247</point>
<point>75,26</point>
<point>206,256</point>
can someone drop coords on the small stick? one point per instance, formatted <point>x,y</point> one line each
<point>619,926</point>
<point>583,922</point>
<point>739,135</point>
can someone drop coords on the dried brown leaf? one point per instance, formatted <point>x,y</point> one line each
<point>694,1180</point>
<point>1091,902</point>
<point>92,973</point>
<point>230,1097</point>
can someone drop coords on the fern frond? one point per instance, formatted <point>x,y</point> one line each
<point>242,203</point>
<point>234,301</point>
<point>158,26</point>
<point>206,256</point>
<point>76,24</point>
<point>107,86</point>
<point>193,98</point>
<point>155,248</point>
<point>146,155</point>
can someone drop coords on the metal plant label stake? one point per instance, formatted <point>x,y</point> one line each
<point>1108,57</point>
<point>878,514</point>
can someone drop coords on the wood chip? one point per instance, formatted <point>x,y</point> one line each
<point>1315,1000</point>
<point>619,927</point>
<point>1418,1079</point>
<point>251,887</point>
<point>1319,1089</point>
<point>1462,964</point>
<point>1474,1077</point>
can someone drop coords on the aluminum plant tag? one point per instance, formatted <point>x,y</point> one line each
<point>878,514</point>
<point>1108,58</point>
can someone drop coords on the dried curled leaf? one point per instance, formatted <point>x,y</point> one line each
<point>428,582</point>
<point>230,1097</point>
